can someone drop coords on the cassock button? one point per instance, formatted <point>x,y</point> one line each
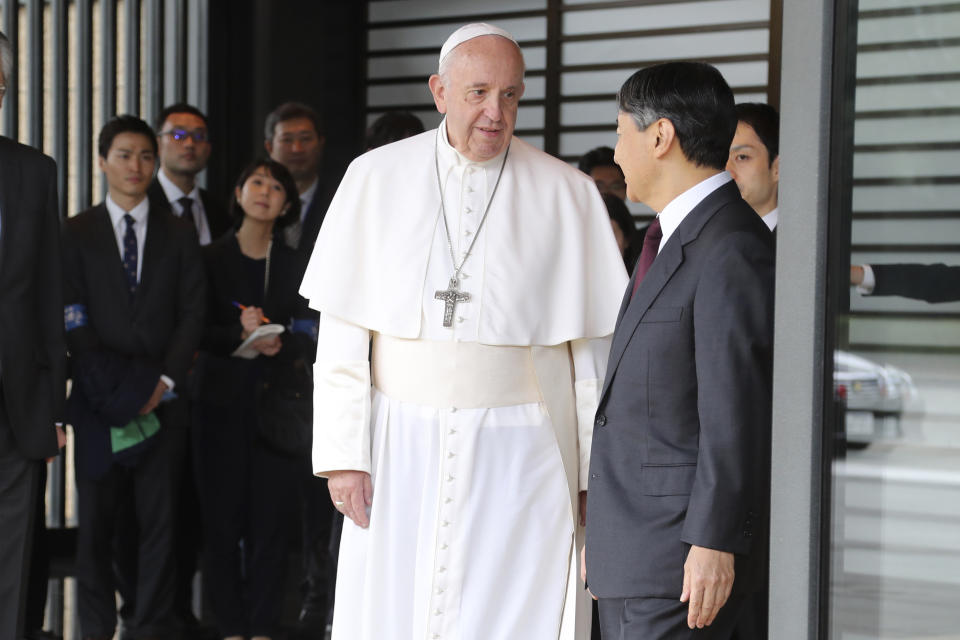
<point>594,475</point>
<point>437,612</point>
<point>443,547</point>
<point>459,318</point>
<point>441,570</point>
<point>450,478</point>
<point>451,455</point>
<point>448,501</point>
<point>601,420</point>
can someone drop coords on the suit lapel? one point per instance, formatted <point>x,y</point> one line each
<point>9,196</point>
<point>664,266</point>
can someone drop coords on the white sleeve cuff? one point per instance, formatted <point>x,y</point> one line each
<point>167,380</point>
<point>869,281</point>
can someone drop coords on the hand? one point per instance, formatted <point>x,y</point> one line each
<point>250,319</point>
<point>268,346</point>
<point>856,274</point>
<point>155,398</point>
<point>707,581</point>
<point>61,440</point>
<point>583,508</point>
<point>583,569</point>
<point>354,491</point>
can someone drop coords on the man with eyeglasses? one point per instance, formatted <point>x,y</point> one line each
<point>184,141</point>
<point>294,137</point>
<point>31,351</point>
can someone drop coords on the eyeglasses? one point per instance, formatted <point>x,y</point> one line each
<point>198,135</point>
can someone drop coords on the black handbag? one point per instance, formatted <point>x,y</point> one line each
<point>285,408</point>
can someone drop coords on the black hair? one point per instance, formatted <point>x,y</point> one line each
<point>279,173</point>
<point>180,107</point>
<point>392,126</point>
<point>123,124</point>
<point>599,157</point>
<point>765,121</point>
<point>290,111</point>
<point>695,98</point>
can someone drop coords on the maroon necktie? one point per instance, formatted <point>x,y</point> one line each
<point>651,245</point>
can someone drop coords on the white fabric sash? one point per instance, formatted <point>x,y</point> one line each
<point>465,375</point>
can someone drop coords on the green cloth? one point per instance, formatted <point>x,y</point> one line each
<point>134,432</point>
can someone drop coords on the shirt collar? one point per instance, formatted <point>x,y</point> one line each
<point>307,196</point>
<point>172,191</point>
<point>116,212</point>
<point>678,208</point>
<point>771,218</point>
<point>449,156</point>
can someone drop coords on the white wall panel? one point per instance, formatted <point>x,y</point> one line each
<point>906,164</point>
<point>418,9</point>
<point>874,64</point>
<point>693,45</point>
<point>925,26</point>
<point>434,35</point>
<point>685,14</point>
<point>907,130</point>
<point>927,197</point>
<point>910,95</point>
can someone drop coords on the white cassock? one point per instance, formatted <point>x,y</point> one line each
<point>477,435</point>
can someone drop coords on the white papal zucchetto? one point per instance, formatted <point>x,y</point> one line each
<point>469,32</point>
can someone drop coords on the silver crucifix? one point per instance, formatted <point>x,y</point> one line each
<point>451,296</point>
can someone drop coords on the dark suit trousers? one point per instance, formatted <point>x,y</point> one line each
<point>248,499</point>
<point>152,484</point>
<point>19,483</point>
<point>663,619</point>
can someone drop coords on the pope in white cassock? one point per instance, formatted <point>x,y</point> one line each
<point>487,276</point>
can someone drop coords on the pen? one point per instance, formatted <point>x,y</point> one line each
<point>242,307</point>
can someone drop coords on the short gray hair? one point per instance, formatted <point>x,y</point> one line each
<point>6,57</point>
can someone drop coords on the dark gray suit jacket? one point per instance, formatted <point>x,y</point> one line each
<point>682,433</point>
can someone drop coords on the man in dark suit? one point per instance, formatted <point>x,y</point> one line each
<point>294,137</point>
<point>134,294</point>
<point>754,159</point>
<point>31,351</point>
<point>184,149</point>
<point>679,472</point>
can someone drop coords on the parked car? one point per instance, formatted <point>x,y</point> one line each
<point>873,396</point>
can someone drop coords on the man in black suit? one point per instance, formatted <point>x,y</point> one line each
<point>294,137</point>
<point>134,294</point>
<point>676,521</point>
<point>754,159</point>
<point>184,149</point>
<point>31,351</point>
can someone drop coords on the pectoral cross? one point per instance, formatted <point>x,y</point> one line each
<point>451,296</point>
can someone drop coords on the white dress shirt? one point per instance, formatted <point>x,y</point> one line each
<point>678,208</point>
<point>771,218</point>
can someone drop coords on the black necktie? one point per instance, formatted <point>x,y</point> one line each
<point>130,254</point>
<point>187,203</point>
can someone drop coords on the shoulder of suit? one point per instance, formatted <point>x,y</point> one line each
<point>26,155</point>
